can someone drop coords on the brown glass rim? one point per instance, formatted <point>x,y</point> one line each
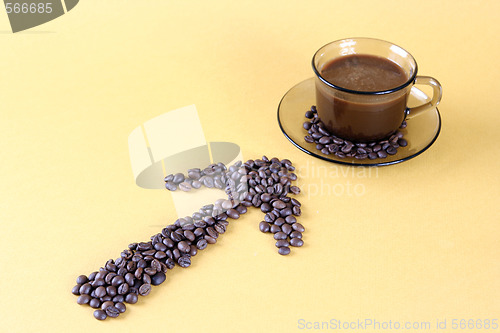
<point>380,92</point>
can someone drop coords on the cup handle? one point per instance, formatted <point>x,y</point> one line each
<point>436,96</point>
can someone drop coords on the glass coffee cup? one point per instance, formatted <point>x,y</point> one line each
<point>354,96</point>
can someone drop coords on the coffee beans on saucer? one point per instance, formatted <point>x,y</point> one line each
<point>329,144</point>
<point>262,183</point>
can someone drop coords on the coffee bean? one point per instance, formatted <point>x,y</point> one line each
<point>83,299</point>
<point>212,233</point>
<point>194,173</point>
<point>309,114</point>
<point>347,148</point>
<point>227,204</point>
<point>107,304</point>
<point>361,156</point>
<point>265,197</point>
<point>241,210</point>
<point>184,246</point>
<point>391,150</point>
<point>264,226</point>
<point>162,255</point>
<point>148,252</point>
<point>284,250</point>
<point>295,189</point>
<point>208,182</point>
<point>201,244</point>
<point>105,298</point>
<point>121,307</point>
<point>256,202</point>
<point>340,154</point>
<point>281,243</point>
<point>220,228</point>
<point>176,254</point>
<point>296,211</point>
<point>196,184</point>
<point>98,282</point>
<point>110,266</point>
<point>269,217</point>
<point>297,242</point>
<point>298,227</point>
<point>82,279</point>
<point>111,291</point>
<point>286,228</point>
<point>278,188</point>
<point>145,289</point>
<point>295,234</point>
<point>402,142</point>
<point>122,271</point>
<point>279,204</point>
<point>316,135</point>
<point>176,237</point>
<point>178,178</point>
<point>184,261</point>
<point>233,213</point>
<point>95,303</point>
<point>117,280</point>
<point>112,312</point>
<point>138,273</point>
<point>324,140</point>
<point>382,154</point>
<point>169,243</point>
<point>265,207</point>
<point>85,289</point>
<point>118,299</point>
<point>100,292</point>
<point>309,139</point>
<point>100,315</point>
<point>169,185</point>
<point>131,298</point>
<point>76,290</point>
<point>285,212</point>
<point>218,183</point>
<point>279,221</point>
<point>124,288</point>
<point>144,246</point>
<point>291,219</point>
<point>280,235</point>
<point>274,229</point>
<point>199,232</point>
<point>192,253</point>
<point>158,278</point>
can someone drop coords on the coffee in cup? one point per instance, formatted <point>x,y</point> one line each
<point>362,88</point>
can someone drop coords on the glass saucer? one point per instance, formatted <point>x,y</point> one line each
<point>421,132</point>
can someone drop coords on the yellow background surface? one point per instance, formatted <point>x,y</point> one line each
<point>419,244</point>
